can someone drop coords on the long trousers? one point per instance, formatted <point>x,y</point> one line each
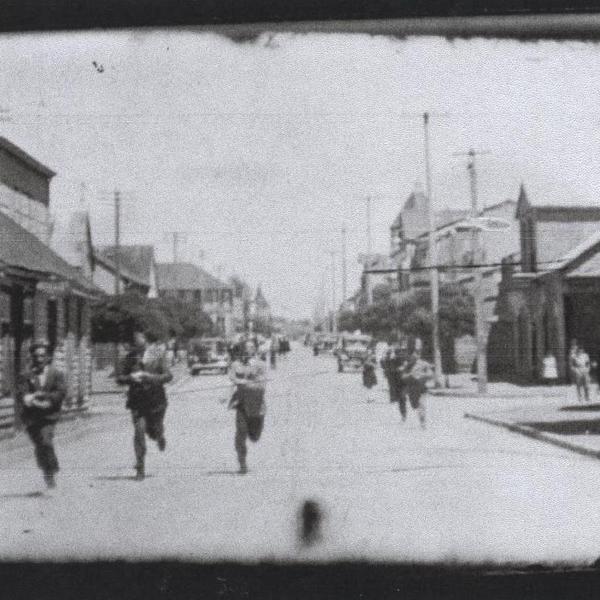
<point>246,428</point>
<point>146,423</point>
<point>582,383</point>
<point>42,436</point>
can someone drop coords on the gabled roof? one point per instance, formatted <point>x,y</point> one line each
<point>26,158</point>
<point>185,276</point>
<point>22,250</point>
<point>126,274</point>
<point>136,259</point>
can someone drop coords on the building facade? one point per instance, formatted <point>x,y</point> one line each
<point>190,283</point>
<point>41,295</point>
<point>549,292</point>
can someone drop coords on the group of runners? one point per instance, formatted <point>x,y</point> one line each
<point>145,370</point>
<point>407,374</point>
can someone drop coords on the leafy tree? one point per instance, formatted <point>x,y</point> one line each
<point>411,317</point>
<point>115,318</point>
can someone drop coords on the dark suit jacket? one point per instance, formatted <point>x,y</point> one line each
<point>54,390</point>
<point>147,395</point>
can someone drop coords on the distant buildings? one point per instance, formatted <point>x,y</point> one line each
<point>190,283</point>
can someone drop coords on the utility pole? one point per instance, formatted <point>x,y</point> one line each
<point>117,243</point>
<point>117,269</point>
<point>344,269</point>
<point>333,254</point>
<point>480,326</point>
<point>176,237</point>
<point>369,251</point>
<point>433,272</point>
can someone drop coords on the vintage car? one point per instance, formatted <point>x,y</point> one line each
<point>352,351</point>
<point>208,355</point>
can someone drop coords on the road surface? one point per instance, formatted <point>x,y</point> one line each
<point>460,490</point>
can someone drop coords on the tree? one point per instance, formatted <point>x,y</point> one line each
<point>116,318</point>
<point>411,317</point>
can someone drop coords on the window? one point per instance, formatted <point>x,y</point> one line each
<point>198,295</point>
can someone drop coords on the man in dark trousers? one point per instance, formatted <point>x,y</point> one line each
<point>146,371</point>
<point>247,373</point>
<point>41,392</point>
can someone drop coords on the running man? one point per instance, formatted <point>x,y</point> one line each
<point>247,373</point>
<point>145,370</point>
<point>41,392</point>
<point>416,374</point>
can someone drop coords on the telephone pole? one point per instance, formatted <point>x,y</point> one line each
<point>176,237</point>
<point>333,254</point>
<point>117,270</point>
<point>369,250</point>
<point>117,243</point>
<point>480,326</point>
<point>433,272</point>
<point>344,269</point>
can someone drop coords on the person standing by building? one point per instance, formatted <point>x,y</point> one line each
<point>387,364</point>
<point>581,371</point>
<point>40,393</point>
<point>416,373</point>
<point>273,351</point>
<point>369,377</point>
<point>146,371</point>
<point>247,373</point>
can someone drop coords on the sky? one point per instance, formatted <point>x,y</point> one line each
<point>261,151</point>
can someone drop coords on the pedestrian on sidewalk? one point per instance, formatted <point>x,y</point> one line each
<point>146,371</point>
<point>388,365</point>
<point>247,373</point>
<point>369,377</point>
<point>416,373</point>
<point>572,355</point>
<point>581,369</point>
<point>273,351</point>
<point>40,394</point>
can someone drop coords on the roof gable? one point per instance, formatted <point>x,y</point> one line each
<point>138,259</point>
<point>185,276</point>
<point>27,252</point>
<point>523,205</point>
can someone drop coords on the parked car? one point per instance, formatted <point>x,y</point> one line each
<point>353,351</point>
<point>208,354</point>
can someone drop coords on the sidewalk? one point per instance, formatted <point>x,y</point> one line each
<point>464,385</point>
<point>552,415</point>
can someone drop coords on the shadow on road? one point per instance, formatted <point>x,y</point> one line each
<point>224,472</point>
<point>26,495</point>
<point>581,408</point>
<point>574,427</point>
<point>119,477</point>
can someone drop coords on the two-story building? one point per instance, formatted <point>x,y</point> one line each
<point>190,283</point>
<point>550,291</point>
<point>41,295</point>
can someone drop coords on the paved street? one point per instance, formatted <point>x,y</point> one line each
<point>459,490</point>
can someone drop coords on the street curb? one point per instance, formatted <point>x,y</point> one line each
<point>535,434</point>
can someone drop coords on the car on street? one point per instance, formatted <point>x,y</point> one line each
<point>208,355</point>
